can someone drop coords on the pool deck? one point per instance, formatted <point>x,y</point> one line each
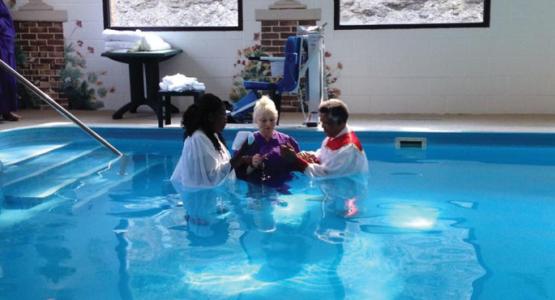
<point>372,122</point>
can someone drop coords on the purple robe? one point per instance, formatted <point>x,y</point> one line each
<point>8,98</point>
<point>275,171</point>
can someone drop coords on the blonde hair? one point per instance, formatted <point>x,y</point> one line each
<point>263,105</point>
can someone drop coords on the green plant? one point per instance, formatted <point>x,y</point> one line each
<point>79,90</point>
<point>80,87</point>
<point>259,71</point>
<point>252,70</point>
<point>26,99</point>
<point>20,56</point>
<point>331,79</point>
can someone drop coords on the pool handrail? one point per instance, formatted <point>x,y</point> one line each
<point>57,107</point>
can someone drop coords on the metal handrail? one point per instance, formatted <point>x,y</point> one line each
<point>58,107</point>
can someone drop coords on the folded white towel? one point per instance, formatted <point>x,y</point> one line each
<point>198,86</point>
<point>180,82</point>
<point>122,35</point>
<point>121,45</point>
<point>152,42</point>
<point>133,41</point>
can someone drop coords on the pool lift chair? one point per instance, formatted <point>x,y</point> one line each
<point>304,57</point>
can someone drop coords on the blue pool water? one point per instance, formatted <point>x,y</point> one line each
<point>471,216</point>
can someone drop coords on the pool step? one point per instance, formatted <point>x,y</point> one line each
<point>82,192</point>
<point>151,183</point>
<point>36,189</point>
<point>45,162</point>
<point>19,154</point>
<point>94,187</point>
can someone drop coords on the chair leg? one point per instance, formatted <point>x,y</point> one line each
<point>160,112</point>
<point>167,108</point>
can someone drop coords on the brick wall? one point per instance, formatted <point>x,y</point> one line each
<point>43,45</point>
<point>273,37</point>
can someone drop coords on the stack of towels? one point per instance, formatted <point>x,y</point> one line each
<point>116,40</point>
<point>180,83</point>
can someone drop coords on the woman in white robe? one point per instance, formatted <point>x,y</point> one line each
<point>203,169</point>
<point>204,161</point>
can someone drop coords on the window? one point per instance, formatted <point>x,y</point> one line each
<point>385,14</point>
<point>173,15</point>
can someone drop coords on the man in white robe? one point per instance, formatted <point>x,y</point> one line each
<point>340,165</point>
<point>341,152</point>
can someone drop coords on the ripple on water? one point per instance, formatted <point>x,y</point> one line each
<point>426,256</point>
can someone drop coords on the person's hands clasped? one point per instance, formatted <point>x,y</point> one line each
<point>308,157</point>
<point>288,153</point>
<point>257,160</point>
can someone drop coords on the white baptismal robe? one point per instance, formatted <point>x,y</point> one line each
<point>339,156</point>
<point>201,165</point>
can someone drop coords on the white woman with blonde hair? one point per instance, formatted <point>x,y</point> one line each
<point>259,159</point>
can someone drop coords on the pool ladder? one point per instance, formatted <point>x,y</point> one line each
<point>59,108</point>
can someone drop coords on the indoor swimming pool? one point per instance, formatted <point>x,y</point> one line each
<point>450,216</point>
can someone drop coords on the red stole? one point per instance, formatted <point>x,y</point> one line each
<point>345,139</point>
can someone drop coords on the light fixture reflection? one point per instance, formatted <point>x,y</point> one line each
<point>413,217</point>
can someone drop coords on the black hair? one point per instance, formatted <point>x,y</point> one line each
<point>201,116</point>
<point>336,110</point>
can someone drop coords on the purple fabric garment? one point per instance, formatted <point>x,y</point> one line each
<point>8,98</point>
<point>276,171</point>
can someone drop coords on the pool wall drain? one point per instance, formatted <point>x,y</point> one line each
<point>410,143</point>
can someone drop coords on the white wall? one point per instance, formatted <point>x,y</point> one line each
<point>506,68</point>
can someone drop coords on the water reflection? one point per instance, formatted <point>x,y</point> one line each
<point>206,212</point>
<point>121,253</point>
<point>55,257</point>
<point>1,185</point>
<point>423,254</point>
<point>332,238</point>
<point>343,199</point>
<point>276,247</point>
<point>297,239</point>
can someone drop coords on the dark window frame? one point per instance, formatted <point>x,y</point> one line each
<point>107,25</point>
<point>338,26</point>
